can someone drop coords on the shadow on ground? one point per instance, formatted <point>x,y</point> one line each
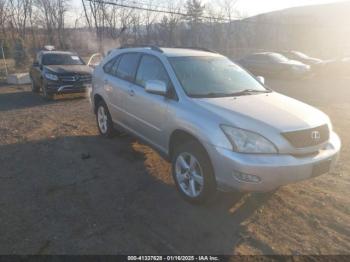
<point>18,97</point>
<point>91,195</point>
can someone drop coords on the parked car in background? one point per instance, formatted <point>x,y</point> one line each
<point>59,72</point>
<point>274,65</point>
<point>218,125</point>
<point>299,56</point>
<point>335,67</point>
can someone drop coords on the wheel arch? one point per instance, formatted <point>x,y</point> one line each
<point>97,99</point>
<point>179,137</point>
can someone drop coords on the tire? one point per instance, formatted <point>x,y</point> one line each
<point>47,96</point>
<point>196,183</point>
<point>35,88</point>
<point>104,120</point>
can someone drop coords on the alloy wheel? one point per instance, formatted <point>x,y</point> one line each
<point>102,119</point>
<point>189,175</point>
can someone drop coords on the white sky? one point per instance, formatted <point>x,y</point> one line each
<point>246,7</point>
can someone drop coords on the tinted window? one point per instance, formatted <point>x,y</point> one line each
<point>151,69</point>
<point>108,66</point>
<point>112,66</point>
<point>62,59</point>
<point>127,66</point>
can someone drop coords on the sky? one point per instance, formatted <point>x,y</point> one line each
<point>245,7</point>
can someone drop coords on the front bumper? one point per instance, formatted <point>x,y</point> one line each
<point>273,170</point>
<point>54,87</point>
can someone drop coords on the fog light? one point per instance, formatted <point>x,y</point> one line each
<point>246,177</point>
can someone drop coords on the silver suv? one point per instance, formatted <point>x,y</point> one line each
<point>220,127</point>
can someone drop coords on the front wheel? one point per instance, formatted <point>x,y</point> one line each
<point>193,173</point>
<point>35,88</point>
<point>46,93</point>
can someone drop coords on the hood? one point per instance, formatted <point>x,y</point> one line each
<point>75,69</point>
<point>272,109</point>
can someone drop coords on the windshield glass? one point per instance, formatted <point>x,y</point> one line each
<point>299,54</point>
<point>279,58</point>
<point>213,77</point>
<point>62,59</point>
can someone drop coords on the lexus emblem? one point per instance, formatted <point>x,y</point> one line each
<point>315,135</point>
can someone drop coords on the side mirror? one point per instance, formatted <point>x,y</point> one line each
<point>261,79</point>
<point>35,64</point>
<point>156,87</point>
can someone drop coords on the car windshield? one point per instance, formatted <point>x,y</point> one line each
<point>62,59</point>
<point>213,77</point>
<point>278,57</point>
<point>299,54</point>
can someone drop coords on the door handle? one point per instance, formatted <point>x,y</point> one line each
<point>106,82</point>
<point>131,92</point>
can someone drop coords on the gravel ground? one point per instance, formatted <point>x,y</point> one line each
<point>65,190</point>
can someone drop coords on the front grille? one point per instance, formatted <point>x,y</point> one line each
<point>308,137</point>
<point>76,78</point>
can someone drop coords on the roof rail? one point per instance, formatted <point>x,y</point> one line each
<point>153,47</point>
<point>197,48</point>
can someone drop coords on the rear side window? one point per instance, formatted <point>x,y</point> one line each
<point>151,69</point>
<point>109,66</point>
<point>127,66</point>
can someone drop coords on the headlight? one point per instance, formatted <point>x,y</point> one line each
<point>51,77</point>
<point>244,141</point>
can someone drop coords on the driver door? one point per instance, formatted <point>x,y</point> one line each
<point>148,111</point>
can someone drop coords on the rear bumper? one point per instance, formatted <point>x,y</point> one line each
<point>272,170</point>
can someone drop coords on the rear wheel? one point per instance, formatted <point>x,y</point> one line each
<point>193,173</point>
<point>104,120</point>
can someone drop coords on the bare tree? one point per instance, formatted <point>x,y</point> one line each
<point>195,11</point>
<point>52,14</point>
<point>19,12</point>
<point>4,17</point>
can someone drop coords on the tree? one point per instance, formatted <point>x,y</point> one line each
<point>51,14</point>
<point>194,12</point>
<point>19,53</point>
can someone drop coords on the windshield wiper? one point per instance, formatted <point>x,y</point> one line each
<point>249,92</point>
<point>240,93</point>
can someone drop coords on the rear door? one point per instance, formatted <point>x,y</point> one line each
<point>114,89</point>
<point>119,76</point>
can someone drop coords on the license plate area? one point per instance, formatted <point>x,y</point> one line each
<point>321,168</point>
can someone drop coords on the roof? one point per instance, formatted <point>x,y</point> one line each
<point>172,51</point>
<point>44,52</point>
<point>176,52</point>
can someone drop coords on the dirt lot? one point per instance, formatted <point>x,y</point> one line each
<point>65,190</point>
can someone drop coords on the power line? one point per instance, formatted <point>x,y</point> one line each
<point>154,9</point>
<point>236,19</point>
